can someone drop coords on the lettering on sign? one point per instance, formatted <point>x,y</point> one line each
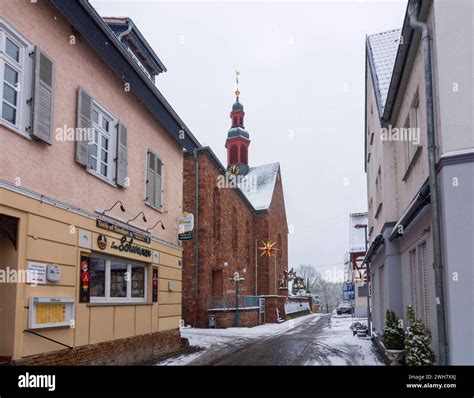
<point>129,247</point>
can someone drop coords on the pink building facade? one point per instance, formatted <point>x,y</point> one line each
<point>82,127</point>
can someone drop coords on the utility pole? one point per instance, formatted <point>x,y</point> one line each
<point>237,278</point>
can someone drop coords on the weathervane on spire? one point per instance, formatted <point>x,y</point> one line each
<point>237,92</point>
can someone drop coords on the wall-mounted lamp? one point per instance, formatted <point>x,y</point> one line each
<point>121,207</point>
<point>134,218</point>
<point>159,221</point>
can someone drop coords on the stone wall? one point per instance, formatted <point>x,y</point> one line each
<point>146,348</point>
<point>248,317</point>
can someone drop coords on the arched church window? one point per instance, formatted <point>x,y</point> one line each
<point>234,154</point>
<point>235,229</point>
<point>243,154</point>
<point>217,213</point>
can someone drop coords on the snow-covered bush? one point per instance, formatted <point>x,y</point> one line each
<point>358,326</point>
<point>393,334</point>
<point>417,342</point>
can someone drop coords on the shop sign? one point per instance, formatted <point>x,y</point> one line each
<point>102,242</point>
<point>36,273</point>
<point>185,236</point>
<point>122,231</point>
<point>84,278</point>
<point>185,223</point>
<point>130,247</point>
<point>155,285</point>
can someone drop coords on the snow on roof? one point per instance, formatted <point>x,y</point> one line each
<point>383,51</point>
<point>357,236</point>
<point>258,185</point>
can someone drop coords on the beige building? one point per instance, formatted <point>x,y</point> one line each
<point>90,189</point>
<point>402,218</point>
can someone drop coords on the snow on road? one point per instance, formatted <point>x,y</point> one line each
<point>308,340</point>
<point>337,346</point>
<point>207,338</point>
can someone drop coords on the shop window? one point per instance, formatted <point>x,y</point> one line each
<point>114,280</point>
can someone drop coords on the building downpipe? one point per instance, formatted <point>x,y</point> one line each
<point>413,11</point>
<point>196,245</point>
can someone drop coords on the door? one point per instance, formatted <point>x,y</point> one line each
<point>8,268</point>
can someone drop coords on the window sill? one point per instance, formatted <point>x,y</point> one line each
<point>14,129</point>
<point>410,165</point>
<point>105,304</point>
<point>158,209</point>
<point>90,171</point>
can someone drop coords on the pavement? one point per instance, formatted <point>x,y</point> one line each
<point>316,339</point>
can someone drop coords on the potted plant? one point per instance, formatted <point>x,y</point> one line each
<point>393,338</point>
<point>417,342</point>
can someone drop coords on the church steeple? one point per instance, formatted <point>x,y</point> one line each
<point>238,138</point>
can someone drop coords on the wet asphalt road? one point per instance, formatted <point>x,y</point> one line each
<point>293,347</point>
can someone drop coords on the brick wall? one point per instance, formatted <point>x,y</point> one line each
<point>271,305</point>
<point>132,350</point>
<point>223,214</point>
<point>216,245</point>
<point>247,318</point>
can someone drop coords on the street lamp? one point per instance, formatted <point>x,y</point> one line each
<point>369,329</point>
<point>237,278</point>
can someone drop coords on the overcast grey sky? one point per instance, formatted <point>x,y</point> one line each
<point>302,87</point>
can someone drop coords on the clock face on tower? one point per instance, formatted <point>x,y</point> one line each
<point>233,169</point>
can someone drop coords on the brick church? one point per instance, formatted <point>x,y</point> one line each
<point>238,210</point>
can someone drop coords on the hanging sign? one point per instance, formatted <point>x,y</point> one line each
<point>185,223</point>
<point>155,285</point>
<point>122,231</point>
<point>84,278</point>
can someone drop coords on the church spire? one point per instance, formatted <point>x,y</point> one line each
<point>237,114</point>
<point>238,139</point>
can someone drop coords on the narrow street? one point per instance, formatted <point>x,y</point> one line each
<point>315,339</point>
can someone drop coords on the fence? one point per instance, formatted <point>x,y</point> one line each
<point>229,301</point>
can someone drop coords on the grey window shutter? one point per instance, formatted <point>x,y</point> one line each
<point>84,110</point>
<point>42,128</point>
<point>158,186</point>
<point>150,179</point>
<point>121,173</point>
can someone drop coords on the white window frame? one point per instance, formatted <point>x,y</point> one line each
<point>24,67</point>
<point>119,300</point>
<point>412,121</point>
<point>111,135</point>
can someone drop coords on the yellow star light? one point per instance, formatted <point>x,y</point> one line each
<point>267,248</point>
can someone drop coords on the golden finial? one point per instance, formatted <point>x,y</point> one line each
<point>237,92</point>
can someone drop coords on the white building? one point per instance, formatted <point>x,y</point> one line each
<point>409,264</point>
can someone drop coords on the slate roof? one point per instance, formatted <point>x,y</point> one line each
<point>258,185</point>
<point>382,50</point>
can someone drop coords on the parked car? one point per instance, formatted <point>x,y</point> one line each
<point>344,308</point>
